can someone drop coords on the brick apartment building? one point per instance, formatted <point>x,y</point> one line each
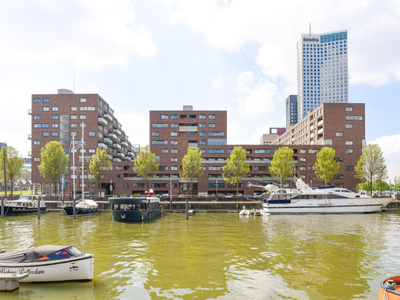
<point>61,116</point>
<point>339,125</point>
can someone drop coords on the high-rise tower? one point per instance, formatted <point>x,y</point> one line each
<point>322,70</point>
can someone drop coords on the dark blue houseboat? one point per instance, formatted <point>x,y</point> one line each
<point>133,209</point>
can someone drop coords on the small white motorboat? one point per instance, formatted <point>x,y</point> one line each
<point>244,212</point>
<point>49,263</point>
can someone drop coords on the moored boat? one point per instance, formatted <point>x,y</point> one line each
<point>26,205</point>
<point>322,200</point>
<point>134,209</point>
<point>85,207</point>
<point>390,289</point>
<point>49,263</point>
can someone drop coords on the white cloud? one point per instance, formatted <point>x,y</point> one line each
<point>90,34</point>
<point>259,101</point>
<point>218,81</point>
<point>390,146</point>
<point>276,26</point>
<point>244,81</point>
<point>136,127</point>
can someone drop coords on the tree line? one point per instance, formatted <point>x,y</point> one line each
<point>371,167</point>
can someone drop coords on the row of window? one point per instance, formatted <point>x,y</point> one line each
<point>47,100</point>
<point>183,116</point>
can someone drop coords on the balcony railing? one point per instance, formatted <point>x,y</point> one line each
<point>188,128</point>
<point>320,122</point>
<point>29,136</point>
<point>102,145</point>
<point>107,116</point>
<point>29,111</point>
<point>103,121</point>
<point>320,131</point>
<point>117,131</point>
<point>108,141</point>
<point>112,135</point>
<point>118,146</point>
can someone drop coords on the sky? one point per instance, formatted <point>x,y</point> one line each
<point>237,55</point>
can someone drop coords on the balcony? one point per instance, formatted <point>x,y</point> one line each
<point>320,131</point>
<point>117,159</point>
<point>320,123</point>
<point>123,143</point>
<point>112,135</point>
<point>30,111</point>
<point>108,141</point>
<point>102,145</point>
<point>107,116</point>
<point>118,146</point>
<point>193,145</point>
<point>109,156</point>
<point>29,136</point>
<point>117,131</point>
<point>188,128</point>
<point>102,121</point>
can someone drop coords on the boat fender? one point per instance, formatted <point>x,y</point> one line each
<point>390,285</point>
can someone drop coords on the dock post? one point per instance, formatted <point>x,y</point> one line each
<point>10,282</point>
<point>2,208</point>
<point>187,209</point>
<point>38,207</point>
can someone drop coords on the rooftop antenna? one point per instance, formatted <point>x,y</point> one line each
<point>309,27</point>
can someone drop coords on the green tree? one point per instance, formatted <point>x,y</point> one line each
<point>13,165</point>
<point>371,166</point>
<point>282,164</point>
<point>53,163</point>
<point>380,186</point>
<point>99,164</point>
<point>236,167</point>
<point>365,186</point>
<point>396,183</point>
<point>325,166</point>
<point>146,164</point>
<point>192,166</point>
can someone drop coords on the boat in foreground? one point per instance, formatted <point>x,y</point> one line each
<point>389,289</point>
<point>49,263</point>
<point>85,207</point>
<point>322,200</point>
<point>134,209</point>
<point>26,205</point>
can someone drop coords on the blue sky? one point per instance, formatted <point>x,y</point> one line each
<point>237,55</point>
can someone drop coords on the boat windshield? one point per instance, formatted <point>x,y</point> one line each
<point>74,251</point>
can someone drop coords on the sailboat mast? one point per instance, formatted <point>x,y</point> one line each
<point>73,162</point>
<point>83,170</point>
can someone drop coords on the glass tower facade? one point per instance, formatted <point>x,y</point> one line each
<point>322,70</point>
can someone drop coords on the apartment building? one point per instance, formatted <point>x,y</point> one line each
<point>61,117</point>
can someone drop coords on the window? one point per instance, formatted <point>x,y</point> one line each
<point>162,125</point>
<point>54,108</point>
<point>82,117</point>
<point>54,133</point>
<point>202,143</point>
<point>303,168</point>
<point>211,117</point>
<point>211,125</point>
<point>302,159</point>
<point>118,176</point>
<point>349,168</point>
<point>174,168</point>
<point>82,100</point>
<point>190,134</point>
<point>46,100</point>
<point>164,117</point>
<point>174,133</point>
<point>349,143</point>
<point>155,133</point>
<point>159,142</point>
<point>82,125</point>
<point>174,117</point>
<point>54,117</point>
<point>174,142</point>
<point>164,151</point>
<point>36,100</point>
<point>216,141</point>
<point>174,159</point>
<point>216,133</point>
<point>54,125</point>
<point>339,134</point>
<point>354,118</point>
<point>45,108</point>
<point>74,117</point>
<point>349,151</point>
<point>216,151</point>
<point>92,151</point>
<point>202,133</point>
<point>74,125</point>
<point>349,109</point>
<point>349,126</point>
<point>174,150</point>
<point>36,143</point>
<point>118,168</point>
<point>202,125</point>
<point>36,117</point>
<point>45,133</point>
<point>174,125</point>
<point>202,117</point>
<point>74,108</point>
<point>36,159</point>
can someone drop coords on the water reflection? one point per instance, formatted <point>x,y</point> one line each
<point>217,255</point>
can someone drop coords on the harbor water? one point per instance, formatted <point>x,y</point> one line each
<point>217,255</point>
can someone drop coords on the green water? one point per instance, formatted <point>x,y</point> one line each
<point>217,255</point>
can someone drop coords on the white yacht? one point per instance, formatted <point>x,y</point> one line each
<point>26,205</point>
<point>321,200</point>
